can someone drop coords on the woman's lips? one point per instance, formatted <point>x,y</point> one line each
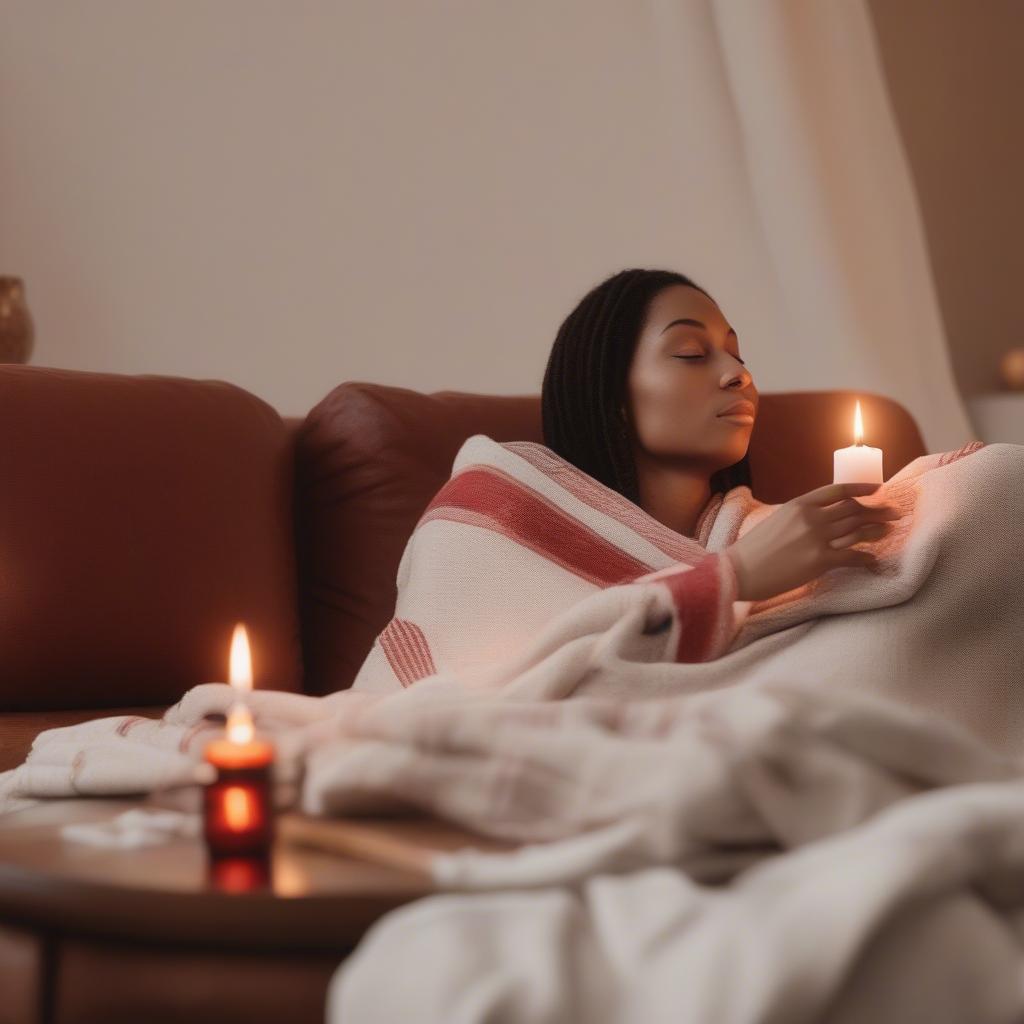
<point>741,411</point>
<point>738,405</point>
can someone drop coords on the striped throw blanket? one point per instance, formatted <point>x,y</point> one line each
<point>521,555</point>
<point>517,536</point>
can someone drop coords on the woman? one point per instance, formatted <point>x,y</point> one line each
<point>647,413</point>
<point>645,390</point>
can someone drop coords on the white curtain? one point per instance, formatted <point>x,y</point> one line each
<point>837,206</point>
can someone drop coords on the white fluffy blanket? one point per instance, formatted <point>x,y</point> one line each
<point>563,671</point>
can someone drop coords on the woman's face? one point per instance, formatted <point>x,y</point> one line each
<point>682,379</point>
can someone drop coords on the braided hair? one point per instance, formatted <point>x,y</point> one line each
<point>585,381</point>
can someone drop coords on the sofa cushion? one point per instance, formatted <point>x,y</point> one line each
<point>369,458</point>
<point>142,516</point>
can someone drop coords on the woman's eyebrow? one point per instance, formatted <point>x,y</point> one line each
<point>695,323</point>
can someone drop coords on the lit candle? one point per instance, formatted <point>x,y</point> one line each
<point>238,813</point>
<point>860,463</point>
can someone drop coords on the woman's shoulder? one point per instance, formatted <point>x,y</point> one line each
<point>528,471</point>
<point>508,471</point>
<point>481,449</point>
<point>487,475</point>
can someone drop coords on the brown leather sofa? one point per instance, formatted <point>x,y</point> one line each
<point>142,516</point>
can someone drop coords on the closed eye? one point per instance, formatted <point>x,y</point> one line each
<point>743,361</point>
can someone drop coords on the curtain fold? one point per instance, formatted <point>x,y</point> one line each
<point>837,205</point>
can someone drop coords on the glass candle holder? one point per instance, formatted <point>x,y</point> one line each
<point>238,806</point>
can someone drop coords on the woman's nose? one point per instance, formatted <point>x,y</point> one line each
<point>736,377</point>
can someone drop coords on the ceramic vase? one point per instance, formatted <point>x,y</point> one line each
<point>16,329</point>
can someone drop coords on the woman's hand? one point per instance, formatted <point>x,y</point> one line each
<point>807,536</point>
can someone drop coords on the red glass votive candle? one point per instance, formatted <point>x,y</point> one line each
<point>238,806</point>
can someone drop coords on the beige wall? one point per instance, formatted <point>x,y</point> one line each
<point>956,77</point>
<point>291,194</point>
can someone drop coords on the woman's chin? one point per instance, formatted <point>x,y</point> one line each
<point>730,454</point>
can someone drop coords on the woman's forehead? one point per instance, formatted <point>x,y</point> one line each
<point>684,302</point>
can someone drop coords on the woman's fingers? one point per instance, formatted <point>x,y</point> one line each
<point>831,493</point>
<point>849,524</point>
<point>853,558</point>
<point>865,531</point>
<point>850,507</point>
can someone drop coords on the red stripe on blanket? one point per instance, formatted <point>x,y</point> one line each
<point>603,499</point>
<point>487,497</point>
<point>405,646</point>
<point>416,644</point>
<point>968,449</point>
<point>128,723</point>
<point>695,594</point>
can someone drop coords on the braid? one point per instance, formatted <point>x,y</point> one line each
<point>585,381</point>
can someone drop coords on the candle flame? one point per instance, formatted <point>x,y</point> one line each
<point>240,728</point>
<point>858,426</point>
<point>240,669</point>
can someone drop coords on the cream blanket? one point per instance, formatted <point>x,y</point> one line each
<point>758,734</point>
<point>892,904</point>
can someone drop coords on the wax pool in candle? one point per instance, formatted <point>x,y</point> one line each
<point>860,463</point>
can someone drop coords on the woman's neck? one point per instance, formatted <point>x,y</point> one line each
<point>672,495</point>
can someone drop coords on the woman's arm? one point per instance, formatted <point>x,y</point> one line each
<point>706,605</point>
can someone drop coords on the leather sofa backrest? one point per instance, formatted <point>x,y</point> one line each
<point>140,518</point>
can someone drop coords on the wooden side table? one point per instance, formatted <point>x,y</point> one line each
<point>103,935</point>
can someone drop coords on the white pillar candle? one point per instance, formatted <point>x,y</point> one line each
<point>860,463</point>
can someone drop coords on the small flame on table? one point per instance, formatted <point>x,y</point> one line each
<point>239,725</point>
